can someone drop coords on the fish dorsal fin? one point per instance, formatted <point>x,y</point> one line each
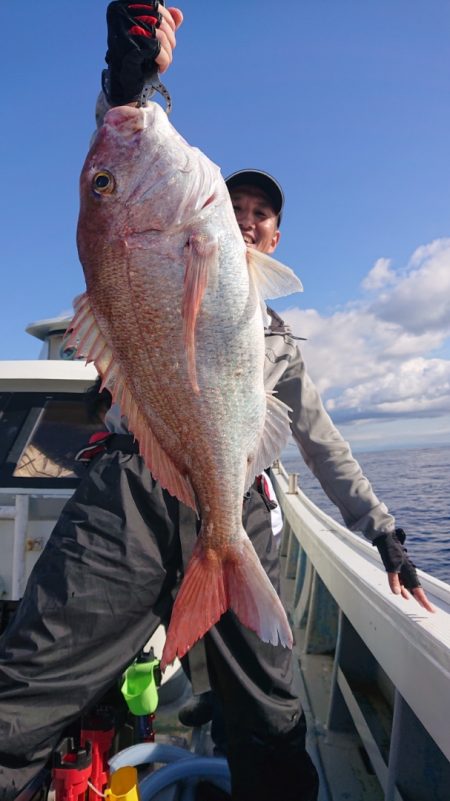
<point>271,278</point>
<point>90,343</point>
<point>201,268</point>
<point>274,438</point>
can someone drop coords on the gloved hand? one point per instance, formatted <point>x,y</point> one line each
<point>132,49</point>
<point>139,34</point>
<point>395,558</point>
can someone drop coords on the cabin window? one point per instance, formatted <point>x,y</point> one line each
<point>40,435</point>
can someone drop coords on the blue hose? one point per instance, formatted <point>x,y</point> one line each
<point>186,770</point>
<point>146,753</point>
<point>180,766</point>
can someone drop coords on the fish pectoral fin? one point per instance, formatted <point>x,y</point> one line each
<point>201,268</point>
<point>271,278</point>
<point>88,339</point>
<point>211,586</point>
<point>275,436</point>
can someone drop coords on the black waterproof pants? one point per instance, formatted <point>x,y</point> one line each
<point>101,587</point>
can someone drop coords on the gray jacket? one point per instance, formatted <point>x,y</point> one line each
<point>323,448</point>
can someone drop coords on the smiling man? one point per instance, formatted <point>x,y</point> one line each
<point>257,200</point>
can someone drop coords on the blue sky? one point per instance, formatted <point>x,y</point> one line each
<point>346,102</point>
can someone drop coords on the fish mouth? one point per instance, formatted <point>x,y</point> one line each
<point>126,120</point>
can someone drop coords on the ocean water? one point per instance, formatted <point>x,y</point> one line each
<point>414,485</point>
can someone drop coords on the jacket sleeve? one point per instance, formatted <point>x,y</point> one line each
<point>329,456</point>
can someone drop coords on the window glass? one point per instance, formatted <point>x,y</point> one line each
<point>57,435</point>
<point>12,417</point>
<point>40,436</point>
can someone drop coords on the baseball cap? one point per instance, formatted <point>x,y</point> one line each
<point>262,180</point>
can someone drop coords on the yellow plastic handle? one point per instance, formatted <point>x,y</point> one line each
<point>123,785</point>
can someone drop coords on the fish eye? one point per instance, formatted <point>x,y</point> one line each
<point>103,183</point>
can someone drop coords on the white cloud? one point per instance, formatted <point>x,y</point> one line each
<point>376,358</point>
<point>420,299</point>
<point>418,386</point>
<point>380,275</point>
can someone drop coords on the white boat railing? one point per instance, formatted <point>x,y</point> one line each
<point>390,681</point>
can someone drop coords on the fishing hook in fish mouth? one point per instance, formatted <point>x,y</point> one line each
<point>152,85</point>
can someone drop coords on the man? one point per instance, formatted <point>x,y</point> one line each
<point>258,202</point>
<point>109,571</point>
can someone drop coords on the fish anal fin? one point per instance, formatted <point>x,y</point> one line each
<point>158,461</point>
<point>201,266</point>
<point>275,436</point>
<point>211,586</point>
<point>272,279</point>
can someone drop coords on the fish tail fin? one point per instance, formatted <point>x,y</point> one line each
<point>201,601</point>
<point>253,598</point>
<point>211,586</point>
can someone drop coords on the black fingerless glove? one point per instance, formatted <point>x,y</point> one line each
<point>395,558</point>
<point>132,49</point>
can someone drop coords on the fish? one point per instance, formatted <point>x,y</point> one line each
<point>173,318</point>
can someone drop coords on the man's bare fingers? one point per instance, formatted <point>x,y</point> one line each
<point>172,16</point>
<point>394,583</point>
<point>177,16</point>
<point>166,16</point>
<point>171,20</point>
<point>396,587</point>
<point>164,58</point>
<point>421,598</point>
<point>168,33</point>
<point>166,36</point>
<point>419,594</point>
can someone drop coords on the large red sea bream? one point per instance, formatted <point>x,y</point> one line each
<point>173,319</point>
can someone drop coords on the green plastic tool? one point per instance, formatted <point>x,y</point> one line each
<point>140,683</point>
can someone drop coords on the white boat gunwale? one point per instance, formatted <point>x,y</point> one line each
<point>341,605</point>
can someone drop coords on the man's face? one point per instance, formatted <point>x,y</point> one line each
<point>256,218</point>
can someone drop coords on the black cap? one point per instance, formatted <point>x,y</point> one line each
<point>263,181</point>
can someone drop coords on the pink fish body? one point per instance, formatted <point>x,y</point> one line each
<point>173,320</point>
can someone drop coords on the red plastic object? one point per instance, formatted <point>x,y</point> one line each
<point>71,771</point>
<point>101,741</point>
